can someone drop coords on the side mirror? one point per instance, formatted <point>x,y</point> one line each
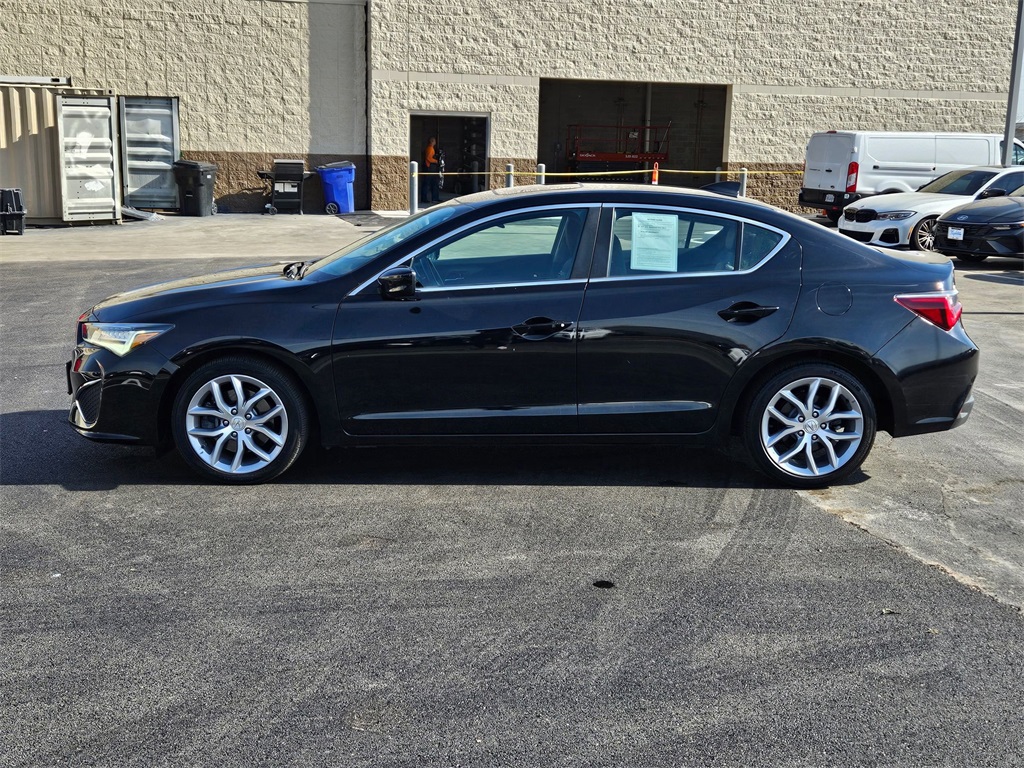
<point>398,284</point>
<point>992,192</point>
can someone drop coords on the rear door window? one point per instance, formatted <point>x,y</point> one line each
<point>667,243</point>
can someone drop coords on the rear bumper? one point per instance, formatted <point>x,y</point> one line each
<point>936,372</point>
<point>827,199</point>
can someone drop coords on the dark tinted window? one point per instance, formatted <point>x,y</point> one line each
<point>539,246</point>
<point>663,242</point>
<point>959,182</point>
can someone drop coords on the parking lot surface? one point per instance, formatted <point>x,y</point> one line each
<point>506,606</point>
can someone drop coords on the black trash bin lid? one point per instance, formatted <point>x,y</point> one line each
<point>194,165</point>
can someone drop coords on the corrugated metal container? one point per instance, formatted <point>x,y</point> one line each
<point>149,146</point>
<point>57,145</point>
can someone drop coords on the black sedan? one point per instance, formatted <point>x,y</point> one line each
<point>544,314</point>
<point>975,231</point>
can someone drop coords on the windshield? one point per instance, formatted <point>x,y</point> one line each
<point>966,182</point>
<point>353,256</point>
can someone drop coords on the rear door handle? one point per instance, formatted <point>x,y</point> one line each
<point>539,328</point>
<point>746,312</point>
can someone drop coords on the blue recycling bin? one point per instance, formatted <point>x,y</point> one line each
<point>337,180</point>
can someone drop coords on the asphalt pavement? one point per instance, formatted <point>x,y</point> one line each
<point>505,606</point>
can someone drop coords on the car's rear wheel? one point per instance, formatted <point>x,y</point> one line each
<point>922,237</point>
<point>810,425</point>
<point>240,420</point>
<point>972,258</point>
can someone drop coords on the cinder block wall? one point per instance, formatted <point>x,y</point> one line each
<point>792,67</point>
<point>256,79</point>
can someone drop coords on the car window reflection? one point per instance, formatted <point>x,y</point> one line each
<point>536,247</point>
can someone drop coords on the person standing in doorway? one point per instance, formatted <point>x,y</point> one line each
<point>430,189</point>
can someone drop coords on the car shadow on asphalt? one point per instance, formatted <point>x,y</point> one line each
<point>40,448</point>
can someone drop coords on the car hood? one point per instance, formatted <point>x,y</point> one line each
<point>927,202</point>
<point>150,300</point>
<point>994,210</point>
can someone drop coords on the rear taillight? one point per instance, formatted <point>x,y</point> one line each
<point>851,177</point>
<point>941,309</point>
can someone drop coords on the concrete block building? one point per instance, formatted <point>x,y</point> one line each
<point>707,83</point>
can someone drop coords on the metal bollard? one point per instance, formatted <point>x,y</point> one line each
<point>541,170</point>
<point>510,170</point>
<point>414,187</point>
<point>743,182</point>
<point>718,173</point>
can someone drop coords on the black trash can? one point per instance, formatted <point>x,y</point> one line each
<point>195,187</point>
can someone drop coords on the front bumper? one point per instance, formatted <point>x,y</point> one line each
<point>980,240</point>
<point>115,399</point>
<point>879,232</point>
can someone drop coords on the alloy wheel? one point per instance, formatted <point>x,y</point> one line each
<point>236,424</point>
<point>812,427</point>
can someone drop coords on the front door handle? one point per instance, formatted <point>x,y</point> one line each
<point>540,328</point>
<point>746,312</point>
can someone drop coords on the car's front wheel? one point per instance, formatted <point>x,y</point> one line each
<point>922,237</point>
<point>240,420</point>
<point>810,425</point>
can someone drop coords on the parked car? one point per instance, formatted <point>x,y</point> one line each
<point>991,227</point>
<point>908,219</point>
<point>842,167</point>
<point>605,313</point>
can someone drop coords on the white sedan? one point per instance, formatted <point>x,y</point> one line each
<point>908,218</point>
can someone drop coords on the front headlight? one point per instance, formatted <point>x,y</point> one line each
<point>121,338</point>
<point>895,215</point>
<point>1005,227</point>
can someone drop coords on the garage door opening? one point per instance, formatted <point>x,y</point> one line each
<point>593,126</point>
<point>462,141</point>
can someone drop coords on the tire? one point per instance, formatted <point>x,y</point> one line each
<point>810,426</point>
<point>332,208</point>
<point>834,216</point>
<point>922,237</point>
<point>228,444</point>
<point>972,258</point>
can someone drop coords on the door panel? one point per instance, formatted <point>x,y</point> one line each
<point>657,351</point>
<point>487,346</point>
<point>452,364</point>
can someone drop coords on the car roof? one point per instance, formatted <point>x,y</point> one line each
<point>597,191</point>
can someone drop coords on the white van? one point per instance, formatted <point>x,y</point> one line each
<point>843,166</point>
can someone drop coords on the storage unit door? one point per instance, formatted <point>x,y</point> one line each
<point>149,146</point>
<point>90,173</point>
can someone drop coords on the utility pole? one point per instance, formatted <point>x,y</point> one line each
<point>1015,101</point>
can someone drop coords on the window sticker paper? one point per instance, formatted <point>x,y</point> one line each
<point>655,242</point>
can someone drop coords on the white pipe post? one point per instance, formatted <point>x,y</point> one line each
<point>743,182</point>
<point>510,170</point>
<point>414,187</point>
<point>541,170</point>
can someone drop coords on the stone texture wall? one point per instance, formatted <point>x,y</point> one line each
<point>790,67</point>
<point>256,79</point>
<point>259,79</point>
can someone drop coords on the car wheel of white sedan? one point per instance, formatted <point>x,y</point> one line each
<point>922,238</point>
<point>810,425</point>
<point>240,420</point>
